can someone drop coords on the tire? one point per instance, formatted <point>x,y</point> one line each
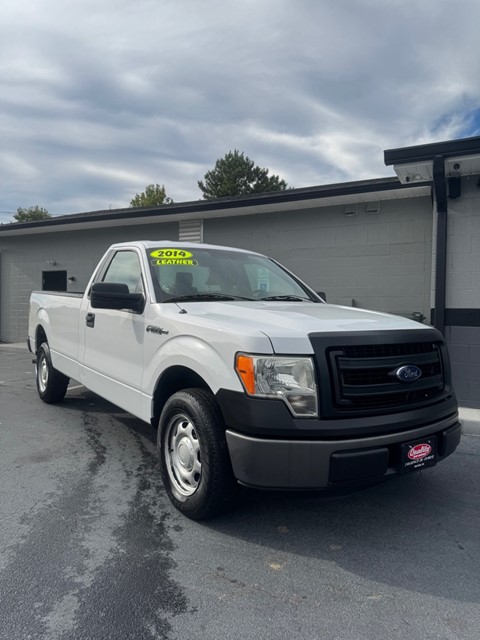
<point>194,459</point>
<point>51,384</point>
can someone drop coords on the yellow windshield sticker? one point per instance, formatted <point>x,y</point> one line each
<point>172,256</point>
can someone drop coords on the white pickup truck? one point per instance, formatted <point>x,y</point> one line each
<point>249,375</point>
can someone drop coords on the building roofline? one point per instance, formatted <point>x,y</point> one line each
<point>426,152</point>
<point>201,208</point>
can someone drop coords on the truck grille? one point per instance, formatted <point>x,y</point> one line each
<point>362,371</point>
<point>364,376</point>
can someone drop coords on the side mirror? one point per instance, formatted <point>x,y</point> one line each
<point>114,295</point>
<point>322,295</point>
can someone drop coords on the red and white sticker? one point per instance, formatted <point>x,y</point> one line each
<point>420,451</point>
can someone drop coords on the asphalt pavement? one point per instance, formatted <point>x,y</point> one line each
<point>91,549</point>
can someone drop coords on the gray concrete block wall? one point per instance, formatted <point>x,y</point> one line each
<point>23,258</point>
<point>463,248</point>
<point>463,290</point>
<point>464,348</point>
<point>380,261</point>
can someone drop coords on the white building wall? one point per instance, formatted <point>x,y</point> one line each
<point>463,291</point>
<point>463,250</point>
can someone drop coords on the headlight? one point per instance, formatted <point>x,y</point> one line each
<point>291,379</point>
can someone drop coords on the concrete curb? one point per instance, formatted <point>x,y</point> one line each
<point>470,428</point>
<point>470,418</point>
<point>13,345</point>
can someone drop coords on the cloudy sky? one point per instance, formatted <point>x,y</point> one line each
<point>99,99</point>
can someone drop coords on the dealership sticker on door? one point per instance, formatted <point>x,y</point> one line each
<point>418,455</point>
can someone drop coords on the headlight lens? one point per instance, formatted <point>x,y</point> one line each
<point>291,379</point>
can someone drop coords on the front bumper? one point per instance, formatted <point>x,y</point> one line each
<point>316,464</point>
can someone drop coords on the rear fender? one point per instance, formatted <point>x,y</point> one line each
<point>42,326</point>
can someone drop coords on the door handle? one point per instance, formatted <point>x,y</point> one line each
<point>90,320</point>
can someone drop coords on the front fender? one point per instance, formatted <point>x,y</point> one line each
<point>216,369</point>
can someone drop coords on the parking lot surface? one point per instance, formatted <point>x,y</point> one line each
<point>90,547</point>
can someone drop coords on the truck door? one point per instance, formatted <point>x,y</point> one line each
<point>114,339</point>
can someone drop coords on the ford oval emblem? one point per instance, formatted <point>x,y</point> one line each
<point>408,373</point>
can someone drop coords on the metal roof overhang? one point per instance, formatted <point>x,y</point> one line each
<point>297,199</point>
<point>415,164</point>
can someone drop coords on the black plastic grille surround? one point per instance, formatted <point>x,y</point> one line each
<point>362,371</point>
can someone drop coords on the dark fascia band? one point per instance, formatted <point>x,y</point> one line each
<point>459,317</point>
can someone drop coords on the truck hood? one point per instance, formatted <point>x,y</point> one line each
<point>287,324</point>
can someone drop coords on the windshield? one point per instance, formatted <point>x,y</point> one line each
<point>200,274</point>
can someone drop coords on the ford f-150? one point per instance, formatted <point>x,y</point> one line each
<point>249,375</point>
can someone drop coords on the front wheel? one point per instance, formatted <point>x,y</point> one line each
<point>194,460</point>
<point>51,384</point>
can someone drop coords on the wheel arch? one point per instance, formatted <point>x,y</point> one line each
<point>43,329</point>
<point>175,378</point>
<point>40,336</point>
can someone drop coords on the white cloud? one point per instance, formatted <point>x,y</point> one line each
<point>99,99</point>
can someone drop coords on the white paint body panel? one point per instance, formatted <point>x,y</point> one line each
<point>122,362</point>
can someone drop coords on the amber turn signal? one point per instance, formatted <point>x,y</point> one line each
<point>245,368</point>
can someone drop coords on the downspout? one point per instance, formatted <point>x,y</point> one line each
<point>440,195</point>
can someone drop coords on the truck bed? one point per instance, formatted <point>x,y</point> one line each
<point>58,312</point>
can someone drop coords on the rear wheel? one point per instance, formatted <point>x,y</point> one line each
<point>51,384</point>
<point>194,459</point>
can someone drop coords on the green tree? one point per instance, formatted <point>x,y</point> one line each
<point>153,196</point>
<point>30,214</point>
<point>236,175</point>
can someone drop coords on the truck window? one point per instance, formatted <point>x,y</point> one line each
<point>181,279</point>
<point>125,268</point>
<point>262,279</point>
<point>188,272</point>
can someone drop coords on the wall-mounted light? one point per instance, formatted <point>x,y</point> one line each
<point>372,207</point>
<point>415,177</point>
<point>71,278</point>
<point>350,210</point>
<point>52,263</point>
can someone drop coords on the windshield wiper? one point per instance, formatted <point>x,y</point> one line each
<point>287,298</point>
<point>205,296</point>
